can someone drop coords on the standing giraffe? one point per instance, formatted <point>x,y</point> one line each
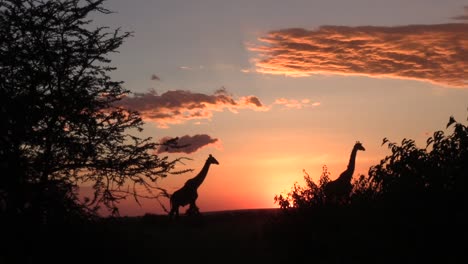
<point>188,193</point>
<point>339,189</point>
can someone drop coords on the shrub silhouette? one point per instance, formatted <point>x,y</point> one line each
<point>307,197</point>
<point>408,177</point>
<point>410,206</point>
<point>425,177</point>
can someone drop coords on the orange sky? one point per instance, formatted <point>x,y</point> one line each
<point>273,89</point>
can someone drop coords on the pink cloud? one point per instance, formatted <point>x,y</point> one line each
<point>179,106</point>
<point>187,144</point>
<point>434,53</point>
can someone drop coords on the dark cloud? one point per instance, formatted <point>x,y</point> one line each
<point>186,144</point>
<point>154,77</point>
<point>435,53</point>
<point>175,107</point>
<point>253,100</point>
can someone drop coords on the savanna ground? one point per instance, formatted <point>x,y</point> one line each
<point>324,235</point>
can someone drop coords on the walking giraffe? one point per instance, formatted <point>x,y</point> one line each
<point>188,193</point>
<point>338,190</point>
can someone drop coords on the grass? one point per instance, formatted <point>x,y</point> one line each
<point>215,236</point>
<point>329,235</point>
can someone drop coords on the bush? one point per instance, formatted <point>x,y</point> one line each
<point>410,177</point>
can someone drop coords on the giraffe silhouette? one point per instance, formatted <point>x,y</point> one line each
<point>188,193</point>
<point>337,191</point>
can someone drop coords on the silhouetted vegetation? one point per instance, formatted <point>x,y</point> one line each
<point>410,207</point>
<point>59,125</point>
<point>409,177</point>
<point>305,197</point>
<point>424,177</point>
<point>60,130</point>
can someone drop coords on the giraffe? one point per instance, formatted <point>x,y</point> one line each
<point>338,190</point>
<point>188,193</point>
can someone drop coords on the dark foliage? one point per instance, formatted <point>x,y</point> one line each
<point>410,208</point>
<point>425,177</point>
<point>304,198</point>
<point>410,177</point>
<point>60,128</point>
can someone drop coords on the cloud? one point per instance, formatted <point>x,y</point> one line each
<point>179,106</point>
<point>296,104</point>
<point>188,68</point>
<point>434,53</point>
<point>186,144</point>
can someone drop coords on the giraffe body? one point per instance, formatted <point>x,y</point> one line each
<point>338,191</point>
<point>187,195</point>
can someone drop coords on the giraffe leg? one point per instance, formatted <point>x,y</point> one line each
<point>174,211</point>
<point>193,209</point>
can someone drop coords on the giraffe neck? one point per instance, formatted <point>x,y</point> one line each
<point>198,180</point>
<point>352,161</point>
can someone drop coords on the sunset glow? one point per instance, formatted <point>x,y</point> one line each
<point>271,90</point>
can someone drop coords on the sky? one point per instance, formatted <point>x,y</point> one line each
<point>275,88</point>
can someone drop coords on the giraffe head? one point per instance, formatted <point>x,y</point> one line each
<point>359,146</point>
<point>212,160</point>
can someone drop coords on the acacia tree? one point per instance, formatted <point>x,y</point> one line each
<point>60,127</point>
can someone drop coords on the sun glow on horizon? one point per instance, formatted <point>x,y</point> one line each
<point>272,92</point>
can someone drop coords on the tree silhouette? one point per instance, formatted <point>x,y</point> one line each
<point>60,128</point>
